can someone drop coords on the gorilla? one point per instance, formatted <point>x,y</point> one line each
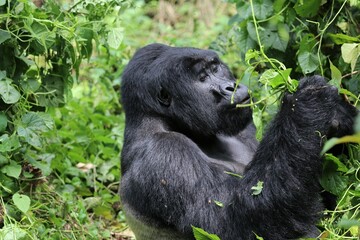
<point>190,157</point>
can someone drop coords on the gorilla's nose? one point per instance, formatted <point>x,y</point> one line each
<point>240,91</point>
<point>228,88</point>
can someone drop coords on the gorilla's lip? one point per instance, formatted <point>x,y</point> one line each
<point>245,100</point>
<point>237,102</point>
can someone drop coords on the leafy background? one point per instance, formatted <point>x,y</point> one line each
<point>61,122</point>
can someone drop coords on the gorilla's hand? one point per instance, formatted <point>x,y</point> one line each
<point>317,106</point>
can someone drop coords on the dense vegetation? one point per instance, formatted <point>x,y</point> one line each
<point>61,122</point>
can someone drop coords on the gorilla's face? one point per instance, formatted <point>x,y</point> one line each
<point>190,89</point>
<point>201,94</point>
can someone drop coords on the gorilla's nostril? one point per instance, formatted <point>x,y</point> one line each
<point>231,89</point>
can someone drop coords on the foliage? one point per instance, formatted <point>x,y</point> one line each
<point>57,164</point>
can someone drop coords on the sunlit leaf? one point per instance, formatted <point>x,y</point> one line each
<point>340,38</point>
<point>256,190</point>
<point>22,202</point>
<point>350,52</point>
<point>11,232</point>
<point>115,37</point>
<point>201,234</point>
<point>334,141</point>
<point>219,204</point>
<point>335,76</point>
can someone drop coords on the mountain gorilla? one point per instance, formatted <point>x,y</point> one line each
<point>186,142</point>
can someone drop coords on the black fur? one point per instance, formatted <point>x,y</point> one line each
<point>183,135</point>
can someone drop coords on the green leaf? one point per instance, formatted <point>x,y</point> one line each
<point>357,124</point>
<point>11,232</point>
<point>32,124</point>
<point>258,188</point>
<point>340,38</point>
<point>200,234</point>
<point>3,160</point>
<point>3,122</point>
<point>233,174</point>
<point>2,75</point>
<point>335,76</point>
<point>350,52</point>
<point>251,54</point>
<point>8,93</point>
<point>12,170</point>
<point>334,141</point>
<point>245,42</point>
<point>348,223</point>
<point>339,165</point>
<point>308,62</point>
<point>263,9</point>
<point>281,38</point>
<point>278,4</point>
<point>9,143</point>
<point>267,76</point>
<point>257,119</point>
<point>307,8</point>
<point>220,204</point>
<point>115,37</point>
<point>332,181</point>
<point>258,237</point>
<point>4,35</point>
<point>22,202</point>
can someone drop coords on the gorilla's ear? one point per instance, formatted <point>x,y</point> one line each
<point>164,97</point>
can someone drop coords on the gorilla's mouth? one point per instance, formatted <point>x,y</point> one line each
<point>245,100</point>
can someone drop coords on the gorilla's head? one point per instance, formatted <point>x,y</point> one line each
<point>189,89</point>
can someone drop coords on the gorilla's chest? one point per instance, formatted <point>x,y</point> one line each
<point>231,153</point>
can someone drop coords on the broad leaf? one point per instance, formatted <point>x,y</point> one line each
<point>334,141</point>
<point>335,76</point>
<point>334,182</point>
<point>281,38</point>
<point>307,8</point>
<point>12,170</point>
<point>8,93</point>
<point>22,202</point>
<point>245,42</point>
<point>4,35</point>
<point>263,9</point>
<point>32,124</point>
<point>9,143</point>
<point>350,52</point>
<point>115,37</point>
<point>308,62</point>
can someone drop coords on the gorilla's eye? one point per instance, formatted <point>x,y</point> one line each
<point>214,68</point>
<point>202,77</point>
<point>164,97</point>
